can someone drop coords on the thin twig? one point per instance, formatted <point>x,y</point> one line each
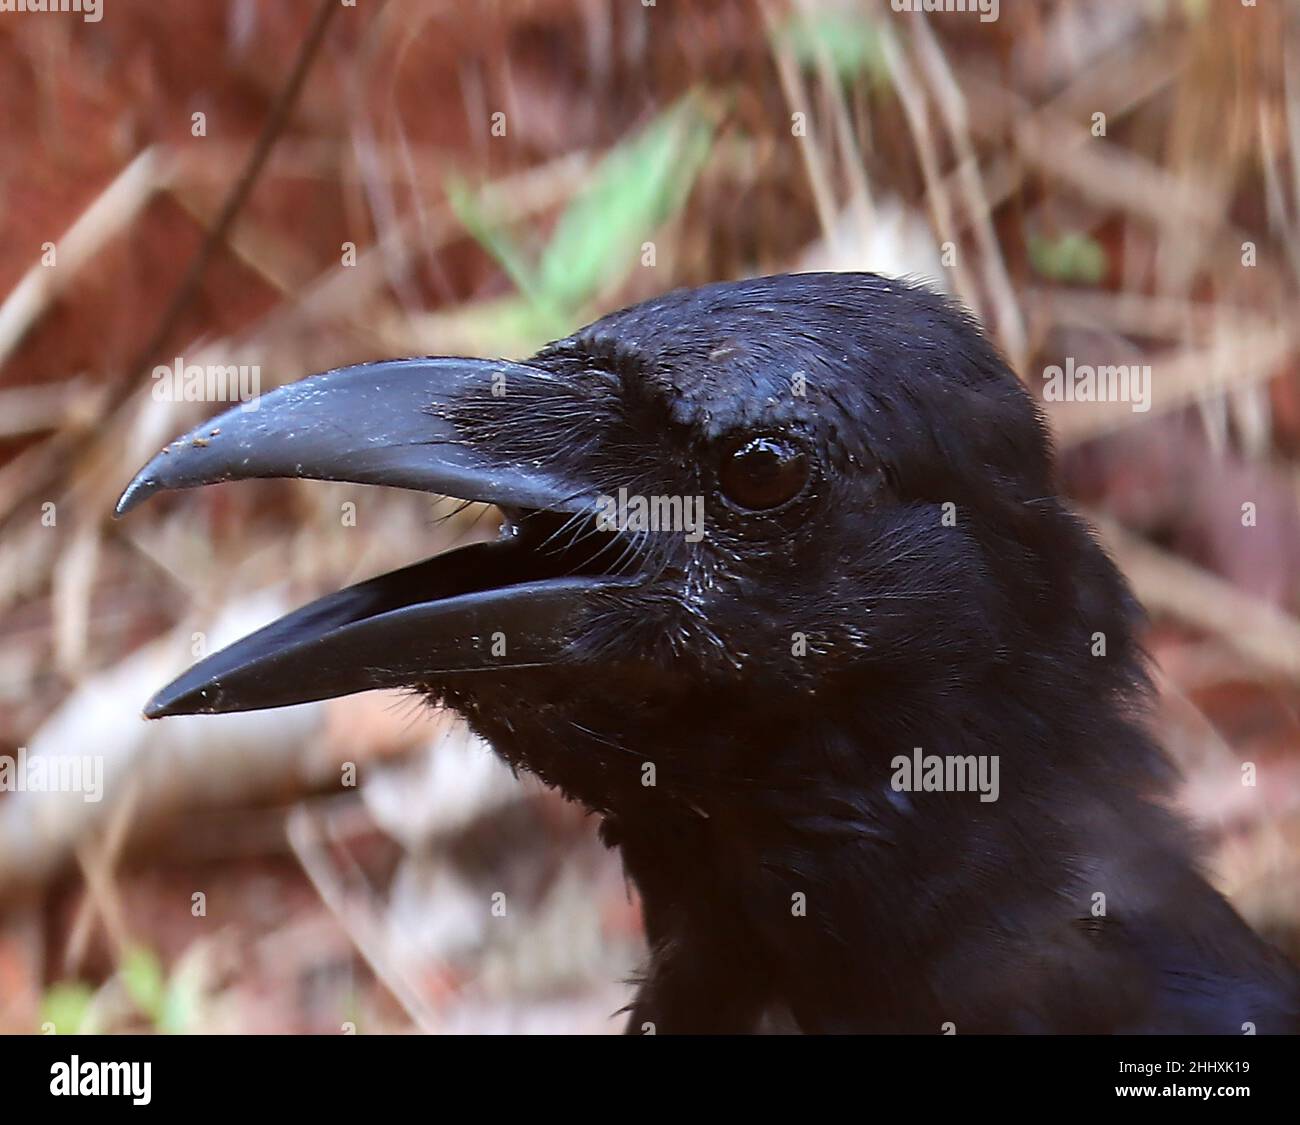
<point>239,193</point>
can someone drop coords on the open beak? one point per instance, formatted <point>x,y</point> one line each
<point>517,602</point>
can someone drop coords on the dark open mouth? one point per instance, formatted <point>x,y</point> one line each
<point>535,546</point>
<point>517,602</point>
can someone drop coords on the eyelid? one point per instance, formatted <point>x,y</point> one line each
<point>734,443</point>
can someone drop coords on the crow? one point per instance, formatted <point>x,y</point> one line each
<point>785,594</point>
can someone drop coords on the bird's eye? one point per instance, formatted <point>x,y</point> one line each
<point>763,472</point>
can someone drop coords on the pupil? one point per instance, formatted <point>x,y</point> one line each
<point>762,465</point>
<point>762,473</point>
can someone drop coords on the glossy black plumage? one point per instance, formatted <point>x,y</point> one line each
<point>927,588</point>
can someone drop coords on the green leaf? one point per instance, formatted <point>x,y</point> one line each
<point>490,235</point>
<point>634,189</point>
<point>65,1005</point>
<point>142,977</point>
<point>852,44</point>
<point>598,238</point>
<point>1073,256</point>
<point>182,1004</point>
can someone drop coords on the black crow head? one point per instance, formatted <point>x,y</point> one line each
<point>730,510</point>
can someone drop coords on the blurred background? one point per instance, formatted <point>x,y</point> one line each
<point>298,184</point>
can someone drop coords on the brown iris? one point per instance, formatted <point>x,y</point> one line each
<point>763,472</point>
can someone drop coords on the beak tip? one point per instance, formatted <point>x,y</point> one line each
<point>170,701</point>
<point>156,709</point>
<point>135,494</point>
